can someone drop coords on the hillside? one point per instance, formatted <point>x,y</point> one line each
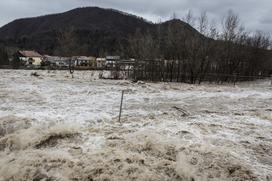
<point>96,29</point>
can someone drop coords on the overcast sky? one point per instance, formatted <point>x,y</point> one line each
<point>255,14</point>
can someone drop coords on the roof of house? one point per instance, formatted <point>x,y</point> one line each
<point>84,58</point>
<point>30,54</point>
<point>112,57</point>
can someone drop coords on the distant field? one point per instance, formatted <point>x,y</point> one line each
<point>59,128</point>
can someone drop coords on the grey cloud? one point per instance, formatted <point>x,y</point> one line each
<point>254,14</point>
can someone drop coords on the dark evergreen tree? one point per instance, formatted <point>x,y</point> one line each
<point>15,61</point>
<point>4,59</point>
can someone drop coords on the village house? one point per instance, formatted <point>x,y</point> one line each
<point>126,65</point>
<point>30,58</point>
<point>92,62</point>
<point>83,61</point>
<point>100,63</point>
<point>111,61</point>
<point>57,61</point>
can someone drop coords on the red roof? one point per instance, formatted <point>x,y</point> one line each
<point>30,54</point>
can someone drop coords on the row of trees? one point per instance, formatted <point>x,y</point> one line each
<point>221,54</point>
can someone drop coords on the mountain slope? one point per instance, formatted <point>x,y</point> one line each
<point>91,18</point>
<point>96,29</point>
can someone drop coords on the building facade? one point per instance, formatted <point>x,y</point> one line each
<point>30,58</point>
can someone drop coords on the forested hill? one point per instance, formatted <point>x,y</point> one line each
<point>96,30</point>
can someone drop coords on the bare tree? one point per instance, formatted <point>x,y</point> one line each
<point>229,56</point>
<point>189,18</point>
<point>67,41</point>
<point>213,32</point>
<point>203,23</point>
<point>230,25</point>
<point>258,61</point>
<point>229,61</point>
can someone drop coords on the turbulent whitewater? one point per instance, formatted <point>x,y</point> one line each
<point>53,127</point>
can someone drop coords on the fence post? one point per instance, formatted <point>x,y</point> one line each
<point>121,106</point>
<point>71,68</point>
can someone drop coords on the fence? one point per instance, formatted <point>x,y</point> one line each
<point>172,71</point>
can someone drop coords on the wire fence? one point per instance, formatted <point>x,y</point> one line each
<point>156,74</point>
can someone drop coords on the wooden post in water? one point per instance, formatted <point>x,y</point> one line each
<point>71,68</point>
<point>121,106</point>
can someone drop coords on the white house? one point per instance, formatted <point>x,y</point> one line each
<point>30,58</point>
